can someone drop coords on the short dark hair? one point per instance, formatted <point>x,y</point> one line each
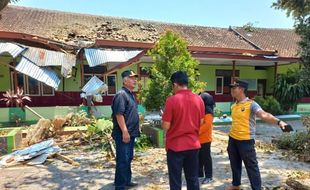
<point>179,77</point>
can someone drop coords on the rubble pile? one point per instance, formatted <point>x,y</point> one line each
<point>306,121</point>
<point>85,36</point>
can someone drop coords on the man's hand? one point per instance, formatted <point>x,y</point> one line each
<point>285,127</point>
<point>121,122</point>
<point>126,137</point>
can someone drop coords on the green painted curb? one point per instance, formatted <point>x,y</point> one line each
<point>10,137</point>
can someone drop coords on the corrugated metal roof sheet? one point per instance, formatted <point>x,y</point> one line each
<point>93,86</point>
<point>100,56</point>
<point>11,48</point>
<point>43,57</point>
<point>44,75</point>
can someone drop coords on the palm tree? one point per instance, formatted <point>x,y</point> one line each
<point>4,3</point>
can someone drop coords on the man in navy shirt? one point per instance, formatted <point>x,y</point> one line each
<point>125,129</point>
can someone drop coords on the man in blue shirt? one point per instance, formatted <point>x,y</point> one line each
<point>125,129</point>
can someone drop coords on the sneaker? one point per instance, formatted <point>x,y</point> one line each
<point>200,179</point>
<point>206,180</point>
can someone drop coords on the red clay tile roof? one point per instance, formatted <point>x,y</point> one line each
<point>82,29</point>
<point>72,28</point>
<point>285,41</point>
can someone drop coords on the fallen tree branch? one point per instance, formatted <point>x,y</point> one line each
<point>67,159</point>
<point>34,112</point>
<point>112,148</point>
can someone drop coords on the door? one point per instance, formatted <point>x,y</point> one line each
<point>261,87</point>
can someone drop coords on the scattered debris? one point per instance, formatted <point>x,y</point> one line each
<point>306,121</point>
<point>39,151</point>
<point>78,119</point>
<point>67,159</point>
<point>296,184</point>
<point>42,130</point>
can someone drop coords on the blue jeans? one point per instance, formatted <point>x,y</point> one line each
<point>239,151</point>
<point>124,156</point>
<point>187,160</point>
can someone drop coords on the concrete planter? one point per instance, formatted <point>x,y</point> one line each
<point>156,135</point>
<point>10,141</point>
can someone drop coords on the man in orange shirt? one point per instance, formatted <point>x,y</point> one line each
<point>205,138</point>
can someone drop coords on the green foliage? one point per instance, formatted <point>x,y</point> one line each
<point>297,142</point>
<point>218,112</point>
<point>300,10</point>
<point>289,88</point>
<point>102,128</point>
<point>170,54</point>
<point>143,142</point>
<point>269,104</point>
<point>249,27</point>
<point>80,118</point>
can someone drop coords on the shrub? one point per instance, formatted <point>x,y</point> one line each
<point>297,142</point>
<point>143,142</point>
<point>290,88</point>
<point>218,112</point>
<point>269,104</point>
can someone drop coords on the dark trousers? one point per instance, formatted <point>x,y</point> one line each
<point>124,156</point>
<point>205,160</point>
<point>239,151</point>
<point>187,160</point>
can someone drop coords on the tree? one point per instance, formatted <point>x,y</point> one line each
<point>4,3</point>
<point>300,10</point>
<point>170,54</point>
<point>289,88</point>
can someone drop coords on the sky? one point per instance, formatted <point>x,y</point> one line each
<point>212,13</point>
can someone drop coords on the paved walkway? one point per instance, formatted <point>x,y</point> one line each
<point>149,167</point>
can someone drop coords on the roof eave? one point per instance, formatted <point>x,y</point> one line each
<point>32,39</point>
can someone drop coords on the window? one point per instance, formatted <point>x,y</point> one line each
<point>31,86</point>
<point>144,71</point>
<point>219,85</point>
<point>223,79</point>
<point>20,80</point>
<point>47,90</point>
<point>111,82</point>
<point>99,71</point>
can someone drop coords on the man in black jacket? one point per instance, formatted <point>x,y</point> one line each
<point>125,129</point>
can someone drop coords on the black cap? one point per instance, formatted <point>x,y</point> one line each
<point>129,73</point>
<point>241,83</point>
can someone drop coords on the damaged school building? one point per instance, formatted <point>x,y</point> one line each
<point>53,55</point>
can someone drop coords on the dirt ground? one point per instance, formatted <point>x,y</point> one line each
<point>150,170</point>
